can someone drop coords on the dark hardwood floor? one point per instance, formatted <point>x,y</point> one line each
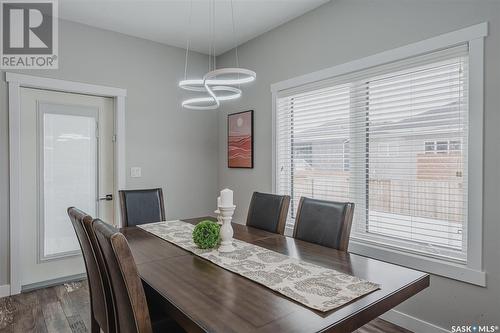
<point>66,309</point>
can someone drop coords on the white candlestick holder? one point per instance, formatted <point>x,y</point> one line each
<point>226,230</point>
<point>219,216</point>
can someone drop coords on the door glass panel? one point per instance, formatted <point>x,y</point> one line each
<point>69,173</point>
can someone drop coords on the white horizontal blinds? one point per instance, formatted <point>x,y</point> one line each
<point>312,129</point>
<point>418,196</point>
<point>392,139</point>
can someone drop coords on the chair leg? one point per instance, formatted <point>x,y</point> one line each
<point>95,328</point>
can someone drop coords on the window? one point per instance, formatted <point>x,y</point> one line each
<point>402,198</point>
<point>365,128</point>
<point>67,133</point>
<point>430,147</point>
<point>454,146</point>
<point>443,147</point>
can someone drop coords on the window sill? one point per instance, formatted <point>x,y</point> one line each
<point>425,264</point>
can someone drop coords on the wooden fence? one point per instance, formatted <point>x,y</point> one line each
<point>443,200</point>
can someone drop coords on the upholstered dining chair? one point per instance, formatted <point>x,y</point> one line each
<point>102,313</point>
<point>129,299</point>
<point>326,223</point>
<point>142,206</point>
<point>268,212</point>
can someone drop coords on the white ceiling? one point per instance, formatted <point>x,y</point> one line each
<point>167,21</point>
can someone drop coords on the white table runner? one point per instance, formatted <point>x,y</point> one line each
<point>316,287</point>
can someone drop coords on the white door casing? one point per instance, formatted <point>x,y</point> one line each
<point>16,81</point>
<point>65,140</point>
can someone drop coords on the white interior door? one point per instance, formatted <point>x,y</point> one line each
<point>67,159</point>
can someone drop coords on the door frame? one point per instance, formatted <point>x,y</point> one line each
<point>16,82</point>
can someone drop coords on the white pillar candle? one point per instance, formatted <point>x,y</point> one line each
<point>226,198</point>
<point>218,202</point>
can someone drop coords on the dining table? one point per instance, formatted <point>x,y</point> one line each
<point>204,297</point>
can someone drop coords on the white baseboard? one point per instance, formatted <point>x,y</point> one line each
<point>411,323</point>
<point>5,290</point>
<point>53,282</point>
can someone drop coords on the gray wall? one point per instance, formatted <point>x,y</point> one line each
<point>177,149</point>
<point>345,30</point>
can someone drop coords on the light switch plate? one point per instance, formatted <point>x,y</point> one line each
<point>135,172</point>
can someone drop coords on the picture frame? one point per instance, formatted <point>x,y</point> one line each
<point>240,145</point>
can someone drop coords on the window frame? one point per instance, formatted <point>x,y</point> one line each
<point>471,271</point>
<point>346,155</point>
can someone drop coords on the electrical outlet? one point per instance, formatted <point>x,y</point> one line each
<point>135,172</point>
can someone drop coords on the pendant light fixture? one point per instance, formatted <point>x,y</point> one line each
<point>218,85</point>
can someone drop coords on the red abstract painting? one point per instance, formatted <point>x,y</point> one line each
<point>240,140</point>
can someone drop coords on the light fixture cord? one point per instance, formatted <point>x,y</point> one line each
<point>211,23</point>
<point>213,36</point>
<point>210,32</point>
<point>188,42</point>
<point>234,38</point>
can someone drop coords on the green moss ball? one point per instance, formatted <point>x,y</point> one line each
<point>206,234</point>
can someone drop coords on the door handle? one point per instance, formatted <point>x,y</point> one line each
<point>108,197</point>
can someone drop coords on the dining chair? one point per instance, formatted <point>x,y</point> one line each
<point>268,212</point>
<point>142,206</point>
<point>322,222</point>
<point>129,299</point>
<point>102,316</point>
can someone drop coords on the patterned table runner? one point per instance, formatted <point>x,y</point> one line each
<point>316,287</point>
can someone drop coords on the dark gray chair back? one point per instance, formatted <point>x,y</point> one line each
<point>322,222</point>
<point>268,212</point>
<point>101,304</point>
<point>142,206</point>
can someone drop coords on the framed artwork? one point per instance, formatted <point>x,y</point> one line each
<point>240,140</point>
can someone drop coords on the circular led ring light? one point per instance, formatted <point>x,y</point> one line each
<point>192,85</point>
<point>211,84</point>
<point>209,102</point>
<point>244,76</point>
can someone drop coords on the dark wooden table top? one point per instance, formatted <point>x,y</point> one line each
<point>205,297</point>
